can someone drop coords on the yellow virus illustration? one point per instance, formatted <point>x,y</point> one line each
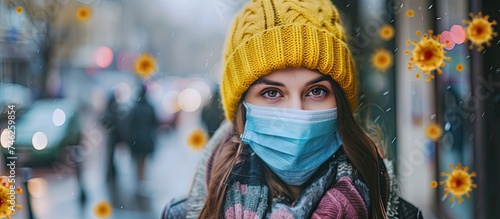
<point>410,13</point>
<point>480,30</point>
<point>145,65</point>
<point>83,13</point>
<point>386,32</point>
<point>197,139</point>
<point>434,184</point>
<point>433,131</point>
<point>458,183</point>
<point>19,9</point>
<point>8,200</point>
<point>459,67</point>
<point>382,60</point>
<point>428,54</point>
<point>103,209</point>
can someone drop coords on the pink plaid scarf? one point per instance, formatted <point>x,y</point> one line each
<point>331,195</point>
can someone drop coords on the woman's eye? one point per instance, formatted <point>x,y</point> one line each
<point>271,94</point>
<point>317,92</point>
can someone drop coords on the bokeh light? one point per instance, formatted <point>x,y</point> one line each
<point>4,138</point>
<point>122,92</point>
<point>37,187</point>
<point>58,117</point>
<point>458,34</point>
<point>180,83</point>
<point>446,40</point>
<point>169,102</point>
<point>203,88</point>
<point>103,56</point>
<point>189,100</point>
<point>39,141</point>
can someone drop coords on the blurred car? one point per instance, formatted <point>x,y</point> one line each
<point>13,94</point>
<point>44,131</point>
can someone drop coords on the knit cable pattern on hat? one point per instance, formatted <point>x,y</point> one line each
<point>269,35</point>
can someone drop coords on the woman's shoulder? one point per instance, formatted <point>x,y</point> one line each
<point>175,209</point>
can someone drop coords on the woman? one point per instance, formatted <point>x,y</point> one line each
<point>293,148</point>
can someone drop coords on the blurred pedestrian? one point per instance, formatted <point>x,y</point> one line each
<point>142,136</point>
<point>111,121</point>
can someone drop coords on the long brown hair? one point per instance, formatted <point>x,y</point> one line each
<point>358,146</point>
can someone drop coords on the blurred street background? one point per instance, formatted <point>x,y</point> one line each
<point>112,101</point>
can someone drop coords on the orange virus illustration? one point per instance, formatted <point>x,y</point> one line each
<point>410,13</point>
<point>433,131</point>
<point>197,139</point>
<point>459,67</point>
<point>428,55</point>
<point>145,65</point>
<point>434,184</point>
<point>8,199</point>
<point>83,13</point>
<point>480,30</point>
<point>458,183</point>
<point>382,60</point>
<point>103,209</point>
<point>19,9</point>
<point>386,32</point>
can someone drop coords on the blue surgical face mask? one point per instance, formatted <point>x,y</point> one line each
<point>293,143</point>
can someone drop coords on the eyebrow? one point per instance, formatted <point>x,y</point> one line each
<point>278,84</point>
<point>317,80</point>
<point>269,82</point>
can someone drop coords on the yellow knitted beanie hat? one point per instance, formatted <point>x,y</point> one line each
<point>269,35</point>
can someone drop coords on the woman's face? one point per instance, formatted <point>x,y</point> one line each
<point>293,88</point>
